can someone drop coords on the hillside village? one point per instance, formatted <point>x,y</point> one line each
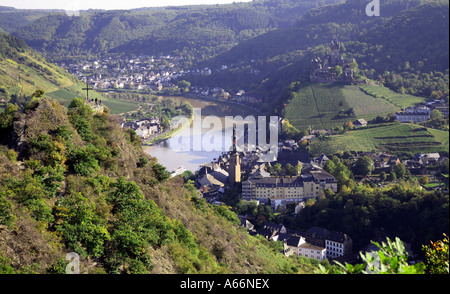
<point>150,73</point>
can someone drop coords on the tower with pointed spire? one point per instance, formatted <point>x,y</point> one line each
<point>235,162</point>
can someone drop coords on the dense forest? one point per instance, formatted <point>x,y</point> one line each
<point>364,211</point>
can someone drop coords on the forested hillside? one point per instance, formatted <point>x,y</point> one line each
<point>12,19</point>
<point>199,32</point>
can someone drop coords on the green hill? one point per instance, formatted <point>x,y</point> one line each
<point>406,49</point>
<point>394,138</point>
<point>23,71</point>
<point>324,106</point>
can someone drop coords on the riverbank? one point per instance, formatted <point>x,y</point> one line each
<point>169,134</point>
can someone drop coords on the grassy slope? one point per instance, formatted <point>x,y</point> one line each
<point>397,99</point>
<point>318,104</point>
<point>392,137</point>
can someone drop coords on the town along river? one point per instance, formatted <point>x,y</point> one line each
<point>167,152</point>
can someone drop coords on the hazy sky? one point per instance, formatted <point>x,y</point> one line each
<point>105,4</point>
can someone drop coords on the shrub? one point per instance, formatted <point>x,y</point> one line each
<point>227,214</point>
<point>11,155</point>
<point>83,162</point>
<point>436,256</point>
<point>160,171</point>
<point>138,224</point>
<point>6,206</point>
<point>83,127</point>
<point>78,105</point>
<point>82,229</point>
<point>391,258</point>
<point>32,193</point>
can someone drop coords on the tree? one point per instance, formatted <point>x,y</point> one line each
<point>184,86</point>
<point>392,176</point>
<point>290,170</point>
<point>349,126</point>
<point>337,70</point>
<point>277,168</point>
<point>400,170</point>
<point>299,168</point>
<point>330,166</point>
<point>363,166</point>
<point>160,171</point>
<point>38,94</point>
<point>435,114</point>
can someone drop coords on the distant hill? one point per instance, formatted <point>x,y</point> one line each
<point>198,31</point>
<point>266,45</point>
<point>12,19</point>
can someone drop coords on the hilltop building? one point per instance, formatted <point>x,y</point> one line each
<point>321,70</point>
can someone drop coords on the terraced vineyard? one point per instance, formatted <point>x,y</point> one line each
<point>321,106</point>
<point>395,138</point>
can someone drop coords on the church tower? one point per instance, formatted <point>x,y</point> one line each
<point>235,162</point>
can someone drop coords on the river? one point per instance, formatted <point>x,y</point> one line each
<point>167,152</point>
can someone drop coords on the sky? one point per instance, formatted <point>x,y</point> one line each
<point>105,4</point>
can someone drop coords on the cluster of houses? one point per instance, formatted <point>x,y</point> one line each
<point>420,164</point>
<point>144,72</point>
<point>220,94</point>
<point>134,73</point>
<point>316,242</point>
<point>144,128</point>
<point>278,190</point>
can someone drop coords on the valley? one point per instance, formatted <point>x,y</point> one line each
<point>361,154</point>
